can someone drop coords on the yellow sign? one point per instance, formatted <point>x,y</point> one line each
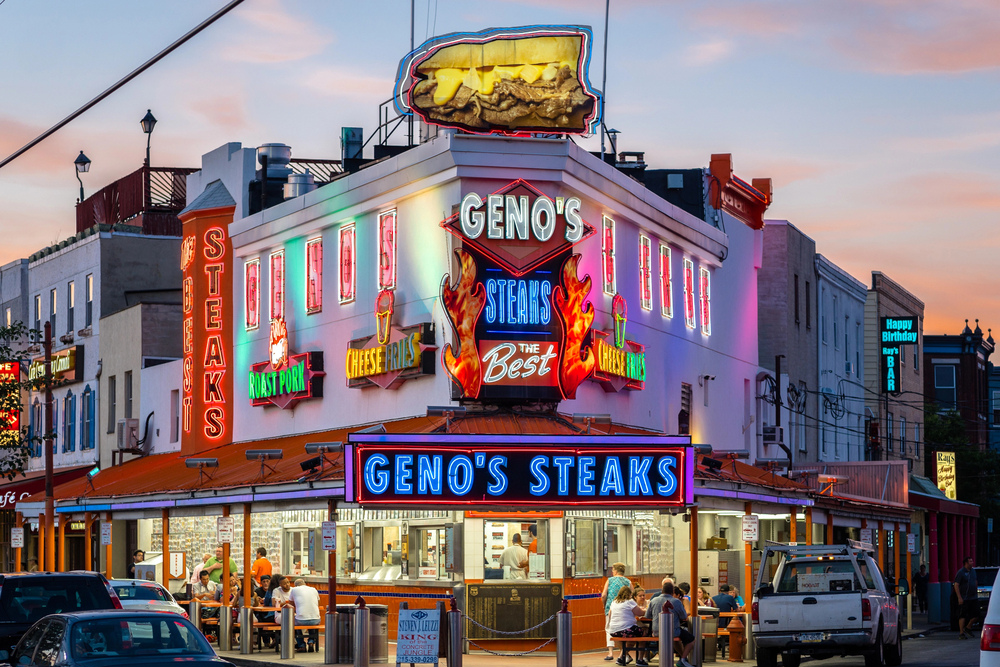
<point>946,474</point>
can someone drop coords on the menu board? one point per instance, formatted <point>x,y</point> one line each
<point>497,540</point>
<point>511,607</point>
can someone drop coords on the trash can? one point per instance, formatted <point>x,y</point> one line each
<point>378,634</point>
<point>709,633</point>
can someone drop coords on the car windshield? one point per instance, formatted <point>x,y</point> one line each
<point>111,637</point>
<point>28,599</point>
<point>985,576</point>
<point>141,592</point>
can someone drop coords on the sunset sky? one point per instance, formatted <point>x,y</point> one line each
<point>879,120</point>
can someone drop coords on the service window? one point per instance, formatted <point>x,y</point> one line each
<point>303,552</point>
<point>348,549</point>
<point>426,553</point>
<point>587,546</point>
<point>502,557</point>
<point>382,553</point>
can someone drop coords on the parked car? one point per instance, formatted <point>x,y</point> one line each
<point>824,601</point>
<point>985,576</point>
<point>26,597</point>
<point>139,595</point>
<point>989,640</point>
<point>116,637</point>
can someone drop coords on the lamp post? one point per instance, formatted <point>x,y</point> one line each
<point>82,163</point>
<point>148,122</point>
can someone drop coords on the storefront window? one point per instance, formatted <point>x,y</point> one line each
<point>382,553</point>
<point>532,550</point>
<point>585,543</point>
<point>304,553</point>
<point>429,545</point>
<point>348,549</point>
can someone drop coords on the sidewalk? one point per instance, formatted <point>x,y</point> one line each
<point>921,627</point>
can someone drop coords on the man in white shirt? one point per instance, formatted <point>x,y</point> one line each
<point>205,591</point>
<point>305,599</point>
<point>516,557</point>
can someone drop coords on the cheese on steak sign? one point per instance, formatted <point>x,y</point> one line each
<point>518,308</point>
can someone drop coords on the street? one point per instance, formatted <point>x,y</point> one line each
<point>937,650</point>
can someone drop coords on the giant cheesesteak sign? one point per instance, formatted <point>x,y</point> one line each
<point>452,470</point>
<point>518,309</point>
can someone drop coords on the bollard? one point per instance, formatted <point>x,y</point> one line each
<point>194,609</point>
<point>443,629</point>
<point>564,636</point>
<point>362,643</point>
<point>246,631</point>
<point>330,636</point>
<point>698,639</point>
<point>736,639</point>
<point>751,651</point>
<point>455,635</point>
<point>666,635</point>
<point>225,628</point>
<point>287,633</point>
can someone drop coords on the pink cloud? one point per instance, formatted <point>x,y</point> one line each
<point>274,35</point>
<point>347,83</point>
<point>226,111</point>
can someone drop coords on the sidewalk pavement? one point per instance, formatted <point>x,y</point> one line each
<point>921,627</point>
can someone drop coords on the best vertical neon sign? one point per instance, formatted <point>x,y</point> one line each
<point>387,250</point>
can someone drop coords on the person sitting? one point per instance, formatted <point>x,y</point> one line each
<point>305,600</point>
<point>205,591</point>
<point>623,621</point>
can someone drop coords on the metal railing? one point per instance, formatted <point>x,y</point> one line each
<point>149,198</point>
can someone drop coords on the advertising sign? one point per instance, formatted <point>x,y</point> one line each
<point>284,380</point>
<point>17,538</point>
<point>751,527</point>
<point>417,636</point>
<point>450,470</point>
<point>225,530</point>
<point>105,534</point>
<point>67,366</point>
<point>393,355</point>
<point>518,310</point>
<point>946,474</point>
<point>502,80</point>
<point>895,332</point>
<point>329,536</point>
<point>10,371</point>
<point>619,363</point>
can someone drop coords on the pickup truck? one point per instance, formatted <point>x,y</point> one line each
<point>824,601</point>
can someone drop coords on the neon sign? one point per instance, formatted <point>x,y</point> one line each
<point>621,364</point>
<point>284,380</point>
<point>518,301</point>
<point>387,250</point>
<point>894,333</point>
<point>705,295</point>
<point>277,284</point>
<point>251,294</point>
<point>608,255</point>
<point>393,355</point>
<point>64,366</point>
<point>645,273</point>
<point>10,420</point>
<point>314,275</point>
<point>492,81</point>
<point>347,261</point>
<point>689,293</point>
<point>214,363</point>
<point>537,471</point>
<point>666,286</point>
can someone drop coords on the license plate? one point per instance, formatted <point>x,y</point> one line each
<point>811,637</point>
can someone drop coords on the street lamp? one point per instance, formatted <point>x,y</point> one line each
<point>82,163</point>
<point>148,122</point>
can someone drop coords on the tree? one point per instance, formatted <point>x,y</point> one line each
<point>15,445</point>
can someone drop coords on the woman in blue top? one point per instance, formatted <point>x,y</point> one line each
<point>608,595</point>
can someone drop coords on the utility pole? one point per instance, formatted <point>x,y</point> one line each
<point>50,537</point>
<point>777,408</point>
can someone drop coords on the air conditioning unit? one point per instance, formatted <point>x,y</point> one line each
<point>773,435</point>
<point>128,434</point>
<point>848,368</point>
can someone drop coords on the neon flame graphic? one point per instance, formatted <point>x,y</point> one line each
<point>575,315</point>
<point>463,303</point>
<point>619,310</point>
<point>383,315</point>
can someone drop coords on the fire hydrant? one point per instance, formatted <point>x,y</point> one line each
<point>737,639</point>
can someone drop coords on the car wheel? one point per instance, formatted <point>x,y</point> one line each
<point>876,657</point>
<point>767,657</point>
<point>894,653</point>
<point>791,659</point>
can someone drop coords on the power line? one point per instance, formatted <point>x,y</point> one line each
<point>131,75</point>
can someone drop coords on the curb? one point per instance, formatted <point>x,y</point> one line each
<point>927,632</point>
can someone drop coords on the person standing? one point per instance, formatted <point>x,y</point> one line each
<point>516,557</point>
<point>920,580</point>
<point>137,557</point>
<point>611,587</point>
<point>305,600</point>
<point>261,566</point>
<point>967,589</point>
<point>215,564</point>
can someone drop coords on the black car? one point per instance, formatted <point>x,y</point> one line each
<point>112,639</point>
<point>985,576</point>
<point>27,597</point>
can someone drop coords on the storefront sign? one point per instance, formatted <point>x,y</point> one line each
<point>401,470</point>
<point>17,538</point>
<point>911,543</point>
<point>417,636</point>
<point>393,355</point>
<point>225,530</point>
<point>178,565</point>
<point>946,474</point>
<point>619,363</point>
<point>895,332</point>
<point>751,527</point>
<point>518,309</point>
<point>10,371</point>
<point>105,534</point>
<point>502,80</point>
<point>329,535</point>
<point>284,380</point>
<point>67,366</point>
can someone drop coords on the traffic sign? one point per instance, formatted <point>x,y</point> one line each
<point>329,536</point>
<point>911,543</point>
<point>866,535</point>
<point>225,530</point>
<point>105,534</point>
<point>17,538</point>
<point>751,528</point>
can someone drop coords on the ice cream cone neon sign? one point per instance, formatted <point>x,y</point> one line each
<point>383,315</point>
<point>619,310</point>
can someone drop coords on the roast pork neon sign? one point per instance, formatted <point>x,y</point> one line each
<point>284,380</point>
<point>539,470</point>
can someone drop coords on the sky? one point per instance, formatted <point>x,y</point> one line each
<point>878,120</point>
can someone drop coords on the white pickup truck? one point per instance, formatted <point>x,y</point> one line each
<point>824,601</point>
